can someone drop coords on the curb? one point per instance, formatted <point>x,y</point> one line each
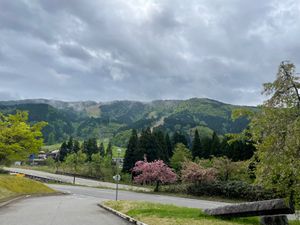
<point>20,197</point>
<point>123,216</point>
<point>5,203</point>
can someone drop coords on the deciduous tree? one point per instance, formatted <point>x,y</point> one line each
<point>153,172</point>
<point>181,154</point>
<point>96,164</point>
<point>194,173</point>
<point>276,132</point>
<point>19,139</point>
<point>74,160</point>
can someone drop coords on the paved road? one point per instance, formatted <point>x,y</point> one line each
<point>107,194</point>
<point>80,207</point>
<point>58,210</point>
<point>69,179</point>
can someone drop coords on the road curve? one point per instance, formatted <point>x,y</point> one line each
<point>58,210</point>
<point>80,207</point>
<point>108,194</point>
<point>69,179</point>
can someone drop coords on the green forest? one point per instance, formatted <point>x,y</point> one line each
<point>115,120</point>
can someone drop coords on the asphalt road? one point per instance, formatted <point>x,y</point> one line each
<point>80,207</point>
<point>108,194</point>
<point>58,210</point>
<point>69,179</point>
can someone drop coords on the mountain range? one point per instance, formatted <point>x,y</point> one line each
<point>116,119</point>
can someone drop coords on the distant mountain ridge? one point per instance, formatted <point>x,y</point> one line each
<point>115,119</point>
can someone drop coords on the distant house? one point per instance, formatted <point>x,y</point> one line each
<point>40,159</point>
<point>53,154</point>
<point>18,163</point>
<point>42,155</point>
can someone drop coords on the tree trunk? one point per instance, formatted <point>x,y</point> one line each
<point>292,200</point>
<point>157,186</point>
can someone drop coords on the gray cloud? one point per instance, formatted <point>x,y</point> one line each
<point>144,50</point>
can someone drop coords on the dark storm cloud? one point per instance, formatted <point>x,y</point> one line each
<point>144,50</point>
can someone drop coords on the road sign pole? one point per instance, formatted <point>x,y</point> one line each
<point>117,176</point>
<point>117,189</point>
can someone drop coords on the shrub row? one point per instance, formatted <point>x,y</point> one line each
<point>2,171</point>
<point>232,189</point>
<point>229,189</point>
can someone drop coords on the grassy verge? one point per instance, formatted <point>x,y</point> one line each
<point>206,198</point>
<point>47,169</point>
<point>11,186</point>
<point>163,214</point>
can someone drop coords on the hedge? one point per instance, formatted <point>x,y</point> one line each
<point>229,189</point>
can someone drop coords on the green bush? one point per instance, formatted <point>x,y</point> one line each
<point>2,171</point>
<point>175,188</point>
<point>232,189</point>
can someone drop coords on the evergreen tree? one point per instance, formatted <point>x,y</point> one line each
<point>84,147</point>
<point>215,145</point>
<point>76,146</point>
<point>206,146</point>
<point>225,148</point>
<point>239,148</point>
<point>147,146</point>
<point>132,148</point>
<point>70,145</point>
<point>160,141</point>
<point>109,150</point>
<point>169,146</point>
<point>92,147</point>
<point>196,146</point>
<point>179,138</point>
<point>63,151</point>
<point>101,149</point>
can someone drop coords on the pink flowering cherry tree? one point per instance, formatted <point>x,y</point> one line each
<point>194,173</point>
<point>156,172</point>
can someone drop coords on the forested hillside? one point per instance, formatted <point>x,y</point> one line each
<point>116,119</point>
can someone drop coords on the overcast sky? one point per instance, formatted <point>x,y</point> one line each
<point>145,49</point>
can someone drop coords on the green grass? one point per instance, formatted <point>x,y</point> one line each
<point>11,186</point>
<point>163,214</point>
<point>49,148</point>
<point>47,169</point>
